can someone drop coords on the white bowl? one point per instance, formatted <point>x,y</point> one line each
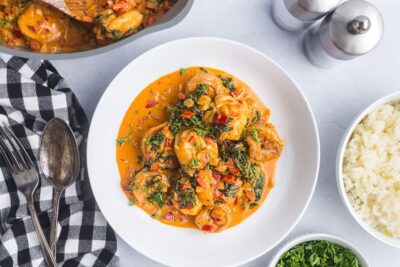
<point>296,173</point>
<point>317,236</point>
<point>339,170</point>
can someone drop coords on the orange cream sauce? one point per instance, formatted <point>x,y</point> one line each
<point>141,116</point>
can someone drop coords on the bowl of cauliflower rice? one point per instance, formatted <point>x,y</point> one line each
<point>368,169</point>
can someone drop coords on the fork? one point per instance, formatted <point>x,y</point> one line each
<point>26,178</point>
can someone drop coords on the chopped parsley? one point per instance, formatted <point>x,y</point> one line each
<point>156,197</point>
<point>194,162</point>
<point>123,140</point>
<point>155,141</point>
<point>254,134</point>
<point>131,202</point>
<point>257,118</point>
<point>318,253</point>
<point>203,69</point>
<point>182,71</point>
<point>186,199</point>
<point>230,190</point>
<point>227,82</point>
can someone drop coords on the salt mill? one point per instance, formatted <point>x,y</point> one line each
<point>295,15</point>
<point>353,29</point>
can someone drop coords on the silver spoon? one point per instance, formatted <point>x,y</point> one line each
<point>59,160</point>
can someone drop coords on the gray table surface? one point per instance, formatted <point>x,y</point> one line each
<point>336,96</point>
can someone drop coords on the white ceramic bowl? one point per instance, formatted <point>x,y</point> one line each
<point>339,170</point>
<point>317,236</point>
<point>296,173</point>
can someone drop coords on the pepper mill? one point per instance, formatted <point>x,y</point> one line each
<point>353,29</point>
<point>295,15</point>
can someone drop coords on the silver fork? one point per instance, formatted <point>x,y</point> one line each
<point>26,178</point>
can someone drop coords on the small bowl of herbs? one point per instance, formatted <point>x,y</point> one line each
<point>318,250</point>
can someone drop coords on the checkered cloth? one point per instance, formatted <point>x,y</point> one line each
<point>31,93</point>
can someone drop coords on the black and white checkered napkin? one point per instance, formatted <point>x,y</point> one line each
<point>31,93</point>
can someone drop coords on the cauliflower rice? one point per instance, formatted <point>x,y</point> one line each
<point>371,169</point>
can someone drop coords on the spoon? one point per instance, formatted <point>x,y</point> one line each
<point>83,10</point>
<point>59,160</point>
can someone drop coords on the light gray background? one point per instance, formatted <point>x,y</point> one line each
<point>336,96</point>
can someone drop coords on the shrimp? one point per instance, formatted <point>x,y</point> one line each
<point>147,185</point>
<point>264,142</point>
<point>205,185</point>
<point>112,26</point>
<point>236,112</point>
<point>157,144</point>
<point>214,219</point>
<point>212,82</point>
<point>195,151</point>
<point>184,197</point>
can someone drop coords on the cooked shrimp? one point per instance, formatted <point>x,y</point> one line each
<point>213,83</point>
<point>146,184</point>
<point>214,219</point>
<point>113,26</point>
<point>194,151</point>
<point>204,189</point>
<point>157,144</point>
<point>264,142</point>
<point>185,198</point>
<point>237,111</point>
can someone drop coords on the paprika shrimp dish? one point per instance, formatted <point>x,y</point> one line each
<point>37,26</point>
<point>196,149</point>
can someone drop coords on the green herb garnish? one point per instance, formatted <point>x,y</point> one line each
<point>123,140</point>
<point>194,162</point>
<point>254,134</point>
<point>182,71</point>
<point>227,82</point>
<point>318,253</point>
<point>203,69</point>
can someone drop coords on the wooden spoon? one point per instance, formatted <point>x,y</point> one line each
<point>82,10</point>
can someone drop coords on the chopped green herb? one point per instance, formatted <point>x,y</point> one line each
<point>203,69</point>
<point>186,198</point>
<point>194,162</point>
<point>182,71</point>
<point>155,141</point>
<point>131,202</point>
<point>227,82</point>
<point>259,187</point>
<point>156,197</point>
<point>123,140</point>
<point>230,190</point>
<point>254,134</point>
<point>257,118</point>
<point>319,253</point>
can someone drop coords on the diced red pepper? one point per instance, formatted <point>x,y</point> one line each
<point>216,176</point>
<point>169,216</point>
<point>232,168</point>
<point>207,228</point>
<point>191,140</point>
<point>189,206</point>
<point>209,140</point>
<point>201,182</point>
<point>169,142</point>
<point>181,96</point>
<point>151,103</point>
<point>220,119</point>
<point>229,179</point>
<point>131,172</point>
<point>187,114</point>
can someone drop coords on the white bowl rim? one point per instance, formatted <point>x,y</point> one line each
<point>319,236</point>
<point>306,102</point>
<point>395,96</point>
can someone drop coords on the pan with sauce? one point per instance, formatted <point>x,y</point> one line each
<point>36,26</point>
